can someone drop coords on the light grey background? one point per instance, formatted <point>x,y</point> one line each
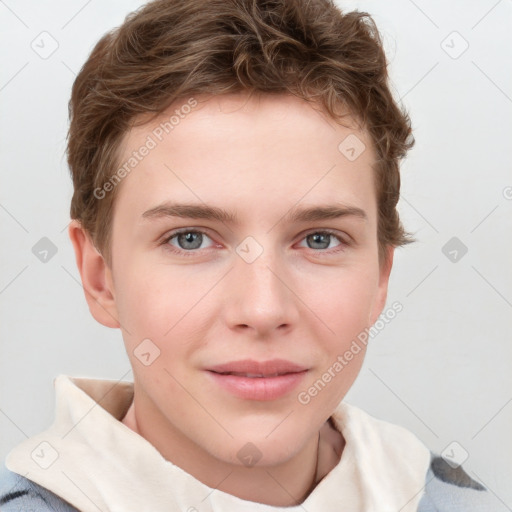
<point>441,368</point>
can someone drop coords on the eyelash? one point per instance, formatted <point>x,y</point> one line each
<point>193,252</point>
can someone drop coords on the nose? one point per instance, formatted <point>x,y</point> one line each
<point>261,299</point>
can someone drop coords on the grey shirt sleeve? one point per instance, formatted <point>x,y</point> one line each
<point>18,493</point>
<point>451,489</point>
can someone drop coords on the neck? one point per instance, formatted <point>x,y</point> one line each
<point>278,485</point>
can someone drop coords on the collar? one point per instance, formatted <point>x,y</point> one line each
<point>95,462</point>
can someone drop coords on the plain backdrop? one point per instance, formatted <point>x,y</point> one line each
<point>441,368</point>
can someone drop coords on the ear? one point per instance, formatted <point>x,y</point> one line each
<point>96,276</point>
<point>382,290</point>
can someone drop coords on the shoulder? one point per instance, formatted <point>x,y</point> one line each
<point>449,488</point>
<point>19,493</point>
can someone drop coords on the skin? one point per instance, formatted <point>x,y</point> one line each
<point>259,157</point>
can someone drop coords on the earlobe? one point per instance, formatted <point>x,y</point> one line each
<point>382,291</point>
<point>95,275</point>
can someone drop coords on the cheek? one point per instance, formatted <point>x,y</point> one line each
<point>343,301</point>
<point>344,308</point>
<point>146,302</point>
<point>166,306</point>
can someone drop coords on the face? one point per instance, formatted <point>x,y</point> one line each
<point>245,234</point>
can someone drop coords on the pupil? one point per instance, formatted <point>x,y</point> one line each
<point>190,237</point>
<point>317,238</point>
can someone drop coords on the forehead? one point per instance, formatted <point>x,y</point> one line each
<point>234,148</point>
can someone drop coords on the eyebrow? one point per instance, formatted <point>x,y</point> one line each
<point>203,211</point>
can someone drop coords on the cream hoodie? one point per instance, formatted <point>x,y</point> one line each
<point>95,462</point>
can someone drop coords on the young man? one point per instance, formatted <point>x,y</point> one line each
<point>236,174</point>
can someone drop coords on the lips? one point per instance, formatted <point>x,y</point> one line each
<point>253,380</point>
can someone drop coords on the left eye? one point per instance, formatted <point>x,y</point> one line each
<point>321,240</point>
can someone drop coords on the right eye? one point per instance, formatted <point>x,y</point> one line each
<point>185,241</point>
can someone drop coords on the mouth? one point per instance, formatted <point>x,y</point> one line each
<point>253,380</point>
<point>253,375</point>
<point>257,369</point>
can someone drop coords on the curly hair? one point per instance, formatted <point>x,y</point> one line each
<point>171,49</point>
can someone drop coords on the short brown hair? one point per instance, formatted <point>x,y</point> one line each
<point>171,49</point>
